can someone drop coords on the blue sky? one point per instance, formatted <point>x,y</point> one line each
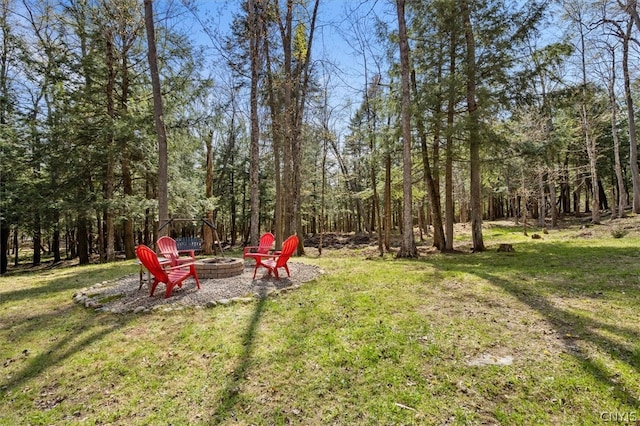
<point>334,47</point>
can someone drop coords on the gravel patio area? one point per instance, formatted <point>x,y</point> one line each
<point>123,296</point>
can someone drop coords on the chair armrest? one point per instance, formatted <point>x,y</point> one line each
<point>191,252</point>
<point>182,266</point>
<point>247,249</point>
<point>271,255</point>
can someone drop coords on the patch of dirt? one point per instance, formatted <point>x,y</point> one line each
<point>333,240</point>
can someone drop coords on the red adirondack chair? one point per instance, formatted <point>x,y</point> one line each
<point>257,252</point>
<point>171,277</point>
<point>279,260</point>
<point>266,241</point>
<point>168,248</point>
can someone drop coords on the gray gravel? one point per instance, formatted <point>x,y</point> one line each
<point>122,295</point>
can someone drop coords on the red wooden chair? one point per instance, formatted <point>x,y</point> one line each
<point>256,252</point>
<point>279,260</point>
<point>171,277</point>
<point>266,241</point>
<point>168,248</point>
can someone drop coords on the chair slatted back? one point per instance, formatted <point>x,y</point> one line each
<point>288,247</point>
<point>168,247</point>
<point>150,261</point>
<point>266,241</point>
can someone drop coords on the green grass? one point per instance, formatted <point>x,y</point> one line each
<point>373,341</point>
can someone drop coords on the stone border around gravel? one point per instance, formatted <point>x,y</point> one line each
<point>122,295</point>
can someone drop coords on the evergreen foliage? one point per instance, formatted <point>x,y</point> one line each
<point>78,146</point>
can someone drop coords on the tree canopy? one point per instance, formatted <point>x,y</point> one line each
<point>297,117</point>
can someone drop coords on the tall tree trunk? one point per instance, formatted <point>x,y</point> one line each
<point>565,187</point>
<point>552,197</point>
<point>83,238</point>
<point>127,187</point>
<point>5,232</point>
<point>408,248</point>
<point>152,56</point>
<point>433,189</point>
<point>109,182</point>
<point>56,237</point>
<point>37,239</point>
<point>633,143</point>
<point>613,106</point>
<point>449,212</point>
<point>149,230</point>
<point>125,162</point>
<point>295,91</point>
<point>207,233</point>
<point>16,247</point>
<point>277,142</point>
<point>589,138</point>
<point>473,131</point>
<point>322,194</point>
<point>254,158</point>
<point>233,209</point>
<point>286,29</point>
<point>542,199</point>
<point>371,135</point>
<point>279,219</point>
<point>5,226</point>
<point>376,210</point>
<point>387,201</point>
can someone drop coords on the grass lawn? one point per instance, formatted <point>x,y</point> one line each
<point>548,334</point>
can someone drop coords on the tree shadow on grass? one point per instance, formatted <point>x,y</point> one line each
<point>571,326</point>
<point>231,393</point>
<point>73,278</point>
<point>77,337</point>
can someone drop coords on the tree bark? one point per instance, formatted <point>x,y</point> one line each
<point>590,140</point>
<point>5,227</point>
<point>553,200</point>
<point>207,233</point>
<point>473,131</point>
<point>630,6</point>
<point>408,248</point>
<point>83,240</point>
<point>633,143</point>
<point>622,192</point>
<point>433,189</point>
<point>295,91</point>
<point>277,142</point>
<point>5,232</point>
<point>542,199</point>
<point>449,211</point>
<point>322,194</point>
<point>152,56</point>
<point>109,182</point>
<point>56,237</point>
<point>254,157</point>
<point>125,162</point>
<point>287,121</point>
<point>387,201</point>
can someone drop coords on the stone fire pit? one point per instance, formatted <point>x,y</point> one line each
<point>219,267</point>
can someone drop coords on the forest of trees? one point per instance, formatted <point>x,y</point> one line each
<point>464,111</point>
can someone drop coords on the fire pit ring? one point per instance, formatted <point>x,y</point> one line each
<point>219,267</point>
